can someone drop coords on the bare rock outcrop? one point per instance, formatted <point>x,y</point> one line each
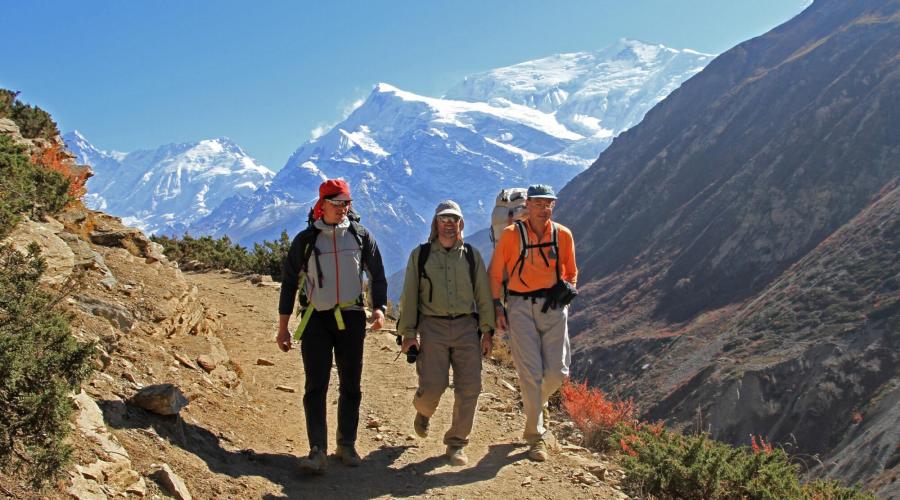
<point>112,474</point>
<point>57,253</point>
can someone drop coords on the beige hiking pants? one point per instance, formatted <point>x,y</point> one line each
<point>445,343</point>
<point>539,343</point>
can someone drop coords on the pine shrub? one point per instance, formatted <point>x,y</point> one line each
<point>26,188</point>
<point>668,464</point>
<point>33,122</point>
<point>266,258</point>
<point>40,364</point>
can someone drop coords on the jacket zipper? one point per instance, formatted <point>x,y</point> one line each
<point>337,270</point>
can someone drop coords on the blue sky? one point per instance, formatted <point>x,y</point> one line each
<point>132,75</point>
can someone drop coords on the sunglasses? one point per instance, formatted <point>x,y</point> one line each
<point>339,203</point>
<point>443,219</point>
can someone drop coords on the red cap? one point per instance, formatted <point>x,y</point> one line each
<point>335,189</point>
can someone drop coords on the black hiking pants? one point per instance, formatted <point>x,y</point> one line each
<point>320,340</point>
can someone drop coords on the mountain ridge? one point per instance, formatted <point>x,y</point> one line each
<point>721,191</point>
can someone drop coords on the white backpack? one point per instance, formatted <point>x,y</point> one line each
<point>509,207</point>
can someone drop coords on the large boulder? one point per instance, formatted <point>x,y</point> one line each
<point>163,399</point>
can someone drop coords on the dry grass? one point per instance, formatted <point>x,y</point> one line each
<point>501,354</point>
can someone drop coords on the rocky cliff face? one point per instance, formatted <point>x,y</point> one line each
<point>730,186</point>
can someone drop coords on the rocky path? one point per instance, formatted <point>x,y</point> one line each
<point>255,437</point>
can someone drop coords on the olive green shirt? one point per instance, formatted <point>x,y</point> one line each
<point>450,289</point>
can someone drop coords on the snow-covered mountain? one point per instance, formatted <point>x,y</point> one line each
<point>165,189</point>
<point>401,154</point>
<point>596,94</point>
<point>540,121</point>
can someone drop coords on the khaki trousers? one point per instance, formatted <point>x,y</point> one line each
<point>446,343</point>
<point>539,343</point>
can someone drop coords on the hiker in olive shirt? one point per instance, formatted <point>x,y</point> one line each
<point>447,302</point>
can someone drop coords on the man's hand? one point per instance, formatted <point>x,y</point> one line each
<point>377,319</point>
<point>283,340</point>
<point>501,318</point>
<point>409,342</point>
<point>487,344</point>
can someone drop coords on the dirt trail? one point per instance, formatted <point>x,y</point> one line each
<point>254,437</point>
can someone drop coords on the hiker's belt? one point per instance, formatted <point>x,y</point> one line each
<point>338,318</point>
<point>533,294</point>
<point>451,316</point>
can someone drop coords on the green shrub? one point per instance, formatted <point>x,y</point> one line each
<point>33,122</point>
<point>26,188</point>
<point>672,465</point>
<point>266,258</point>
<point>40,363</point>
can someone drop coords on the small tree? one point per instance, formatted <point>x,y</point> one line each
<point>33,122</point>
<point>26,188</point>
<point>40,364</point>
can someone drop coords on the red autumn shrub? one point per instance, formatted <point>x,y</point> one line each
<point>53,158</point>
<point>595,415</point>
<point>760,447</point>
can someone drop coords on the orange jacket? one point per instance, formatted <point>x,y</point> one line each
<point>535,272</point>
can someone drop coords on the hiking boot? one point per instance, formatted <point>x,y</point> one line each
<point>348,455</point>
<point>538,451</point>
<point>315,463</point>
<point>456,455</point>
<point>420,424</point>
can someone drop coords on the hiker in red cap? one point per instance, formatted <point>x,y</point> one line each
<point>325,263</point>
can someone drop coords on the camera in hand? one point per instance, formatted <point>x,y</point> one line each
<point>412,354</point>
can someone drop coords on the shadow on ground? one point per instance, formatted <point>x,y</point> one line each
<point>375,477</point>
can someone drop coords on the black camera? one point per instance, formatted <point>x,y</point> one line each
<point>412,354</point>
<point>560,295</point>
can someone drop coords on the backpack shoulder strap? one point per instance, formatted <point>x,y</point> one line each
<point>554,240</point>
<point>308,242</point>
<point>360,233</point>
<point>523,240</point>
<point>523,250</point>
<point>470,258</point>
<point>424,252</point>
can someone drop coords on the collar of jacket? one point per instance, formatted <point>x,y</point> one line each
<point>328,228</point>
<point>436,245</point>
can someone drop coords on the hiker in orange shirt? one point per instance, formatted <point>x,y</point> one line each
<point>538,256</point>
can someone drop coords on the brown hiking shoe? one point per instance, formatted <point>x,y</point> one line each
<point>538,451</point>
<point>420,424</point>
<point>456,455</point>
<point>348,455</point>
<point>315,463</point>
